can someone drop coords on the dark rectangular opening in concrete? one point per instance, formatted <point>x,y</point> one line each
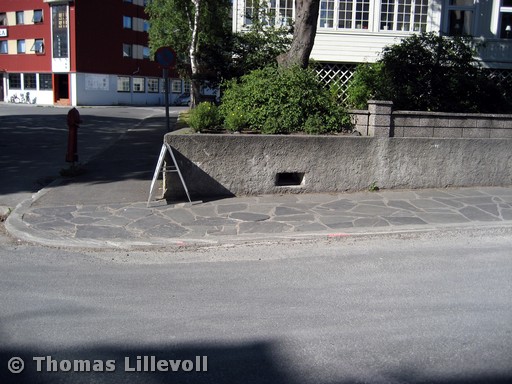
<point>289,179</point>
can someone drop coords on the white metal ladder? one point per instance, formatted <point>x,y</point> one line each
<point>170,168</point>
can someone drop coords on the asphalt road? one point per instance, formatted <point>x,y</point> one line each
<point>34,140</point>
<point>431,308</point>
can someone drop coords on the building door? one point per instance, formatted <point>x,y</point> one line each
<point>61,89</point>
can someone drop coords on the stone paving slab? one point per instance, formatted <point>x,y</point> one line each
<point>263,216</point>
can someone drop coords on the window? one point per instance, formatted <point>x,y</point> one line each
<point>280,12</point>
<point>21,46</point>
<point>505,19</point>
<point>14,81</point>
<point>29,81</point>
<point>20,17</point>
<point>127,50</point>
<point>123,84</point>
<point>138,84</point>
<point>45,81</point>
<point>60,31</point>
<point>326,16</point>
<point>146,53</point>
<point>404,15</point>
<point>344,14</point>
<point>186,86</point>
<point>4,47</point>
<point>38,46</point>
<point>153,85</point>
<point>146,26</point>
<point>38,16</point>
<point>3,18</point>
<point>127,22</point>
<point>460,17</point>
<point>176,86</point>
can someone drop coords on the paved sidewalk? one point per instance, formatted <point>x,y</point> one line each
<point>107,208</point>
<point>260,218</point>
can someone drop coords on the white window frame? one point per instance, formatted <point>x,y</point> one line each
<point>176,86</point>
<point>406,15</point>
<point>123,84</point>
<point>273,15</point>
<point>153,85</point>
<point>139,85</point>
<point>187,86</point>
<point>353,10</point>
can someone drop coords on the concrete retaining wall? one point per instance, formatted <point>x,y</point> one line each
<point>226,165</point>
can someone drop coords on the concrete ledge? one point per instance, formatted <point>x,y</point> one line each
<point>228,165</point>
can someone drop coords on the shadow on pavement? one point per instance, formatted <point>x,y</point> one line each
<point>33,147</point>
<point>253,362</point>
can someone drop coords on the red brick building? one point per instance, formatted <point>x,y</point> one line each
<point>82,52</point>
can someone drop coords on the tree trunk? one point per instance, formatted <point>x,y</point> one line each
<point>306,19</point>
<point>194,43</point>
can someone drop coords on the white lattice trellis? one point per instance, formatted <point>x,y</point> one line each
<point>339,74</point>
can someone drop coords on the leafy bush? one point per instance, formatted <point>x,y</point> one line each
<point>279,101</point>
<point>367,83</point>
<point>205,117</point>
<point>427,72</point>
<point>236,120</point>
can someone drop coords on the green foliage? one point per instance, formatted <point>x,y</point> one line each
<point>259,45</point>
<point>205,117</point>
<point>170,25</point>
<point>367,83</point>
<point>281,101</point>
<point>373,187</point>
<point>236,120</point>
<point>427,72</point>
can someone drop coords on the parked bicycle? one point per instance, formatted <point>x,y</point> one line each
<point>22,99</point>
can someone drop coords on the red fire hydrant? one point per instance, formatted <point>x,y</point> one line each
<point>73,123</point>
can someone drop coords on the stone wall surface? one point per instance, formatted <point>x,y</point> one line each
<point>234,164</point>
<point>382,121</point>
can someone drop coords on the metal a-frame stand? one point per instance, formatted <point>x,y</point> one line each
<point>169,168</point>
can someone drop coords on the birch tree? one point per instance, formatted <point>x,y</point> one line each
<point>187,26</point>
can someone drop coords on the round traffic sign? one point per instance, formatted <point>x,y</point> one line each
<point>166,57</point>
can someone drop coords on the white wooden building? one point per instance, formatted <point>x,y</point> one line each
<point>356,31</point>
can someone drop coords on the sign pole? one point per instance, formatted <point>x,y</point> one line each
<point>166,89</point>
<point>166,57</point>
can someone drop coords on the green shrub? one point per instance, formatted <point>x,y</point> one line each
<point>280,101</point>
<point>205,117</point>
<point>236,120</point>
<point>367,83</point>
<point>427,72</point>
